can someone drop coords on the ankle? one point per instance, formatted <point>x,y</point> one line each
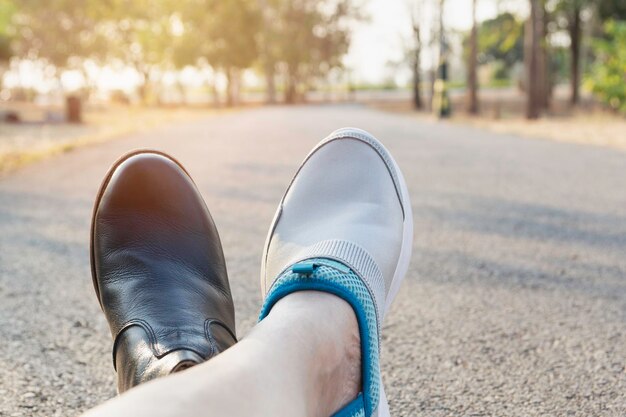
<point>328,328</point>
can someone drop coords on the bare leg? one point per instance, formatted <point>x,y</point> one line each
<point>303,359</point>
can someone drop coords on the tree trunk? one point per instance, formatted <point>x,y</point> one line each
<point>417,94</point>
<point>215,93</point>
<point>574,33</point>
<point>268,60</point>
<point>230,80</point>
<point>236,89</point>
<point>472,73</point>
<point>545,78</point>
<point>182,90</point>
<point>432,74</point>
<point>88,88</point>
<point>291,89</point>
<point>271,83</point>
<point>143,92</point>
<point>211,85</point>
<point>73,109</point>
<point>290,92</point>
<point>73,105</point>
<point>144,85</point>
<point>532,58</point>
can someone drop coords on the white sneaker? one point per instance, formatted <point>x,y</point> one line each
<point>344,226</point>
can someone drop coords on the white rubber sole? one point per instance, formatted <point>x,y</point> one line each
<point>401,268</point>
<point>407,240</point>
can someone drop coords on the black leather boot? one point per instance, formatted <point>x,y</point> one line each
<point>158,270</point>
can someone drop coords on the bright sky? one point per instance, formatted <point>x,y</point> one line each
<point>382,39</point>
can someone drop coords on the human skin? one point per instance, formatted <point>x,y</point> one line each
<point>303,359</point>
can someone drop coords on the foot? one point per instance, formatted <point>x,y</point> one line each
<point>158,270</point>
<point>325,326</point>
<point>344,226</point>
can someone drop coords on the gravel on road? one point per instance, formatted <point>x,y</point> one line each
<point>514,304</point>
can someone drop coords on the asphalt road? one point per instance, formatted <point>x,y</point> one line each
<point>514,304</point>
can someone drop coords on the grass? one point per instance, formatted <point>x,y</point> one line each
<point>589,124</point>
<point>24,143</point>
<point>598,128</point>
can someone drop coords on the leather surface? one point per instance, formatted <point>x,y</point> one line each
<point>159,270</point>
<point>343,191</point>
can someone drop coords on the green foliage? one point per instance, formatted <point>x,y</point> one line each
<point>567,6</point>
<point>140,33</point>
<point>309,37</point>
<point>501,39</point>
<point>7,9</point>
<point>304,38</point>
<point>501,42</point>
<point>611,9</point>
<point>559,63</point>
<point>58,32</point>
<point>607,79</point>
<point>221,33</point>
<point>5,49</point>
<point>235,25</point>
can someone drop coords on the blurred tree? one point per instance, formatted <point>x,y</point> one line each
<point>223,35</point>
<point>544,63</point>
<point>184,55</point>
<point>472,66</point>
<point>532,57</point>
<point>142,35</point>
<point>268,45</point>
<point>611,9</point>
<point>7,9</point>
<point>63,36</point>
<point>192,48</point>
<point>61,33</point>
<point>309,38</point>
<point>501,39</point>
<point>539,79</point>
<point>332,39</point>
<point>416,11</point>
<point>569,12</point>
<point>441,99</point>
<point>233,35</point>
<point>607,76</point>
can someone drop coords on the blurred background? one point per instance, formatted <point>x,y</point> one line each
<point>74,61</point>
